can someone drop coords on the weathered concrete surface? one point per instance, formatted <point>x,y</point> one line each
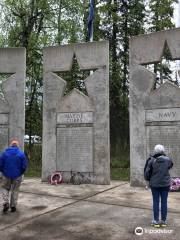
<point>12,60</point>
<point>146,49</point>
<point>124,195</point>
<point>88,150</point>
<point>65,190</point>
<point>149,48</point>
<point>42,215</point>
<point>31,206</point>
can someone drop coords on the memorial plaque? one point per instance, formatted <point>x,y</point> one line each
<point>169,137</point>
<point>167,114</point>
<point>73,118</point>
<point>3,118</point>
<point>75,149</point>
<point>3,137</point>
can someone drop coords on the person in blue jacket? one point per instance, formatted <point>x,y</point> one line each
<point>13,164</point>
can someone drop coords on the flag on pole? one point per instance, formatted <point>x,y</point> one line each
<point>90,19</point>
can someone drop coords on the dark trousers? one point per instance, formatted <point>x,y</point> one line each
<point>160,193</point>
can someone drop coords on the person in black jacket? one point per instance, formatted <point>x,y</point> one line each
<point>157,173</point>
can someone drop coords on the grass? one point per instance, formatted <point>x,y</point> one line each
<point>120,174</point>
<point>35,160</point>
<point>33,172</point>
<point>119,163</point>
<point>120,168</point>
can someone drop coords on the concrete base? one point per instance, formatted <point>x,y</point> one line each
<point>90,212</point>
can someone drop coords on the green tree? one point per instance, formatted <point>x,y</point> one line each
<point>161,14</point>
<point>65,25</point>
<point>160,18</point>
<point>119,21</point>
<point>24,29</point>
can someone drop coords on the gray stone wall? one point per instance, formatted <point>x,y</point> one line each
<point>12,106</point>
<point>76,126</point>
<point>154,114</point>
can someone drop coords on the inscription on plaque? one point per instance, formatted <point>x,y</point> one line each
<point>171,114</point>
<point>3,118</point>
<point>83,117</point>
<point>169,136</point>
<point>75,149</point>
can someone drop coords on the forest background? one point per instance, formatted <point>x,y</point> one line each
<point>35,24</point>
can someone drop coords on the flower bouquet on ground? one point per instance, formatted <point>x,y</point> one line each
<point>175,184</point>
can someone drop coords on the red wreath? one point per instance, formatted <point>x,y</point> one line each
<point>56,178</point>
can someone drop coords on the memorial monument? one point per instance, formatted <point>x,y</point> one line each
<point>76,125</point>
<point>154,114</point>
<point>12,101</point>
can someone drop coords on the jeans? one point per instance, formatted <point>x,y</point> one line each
<point>157,193</point>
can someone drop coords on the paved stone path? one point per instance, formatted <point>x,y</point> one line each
<point>86,212</point>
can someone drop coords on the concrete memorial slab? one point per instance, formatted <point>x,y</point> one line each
<point>76,125</point>
<point>12,105</point>
<point>154,114</point>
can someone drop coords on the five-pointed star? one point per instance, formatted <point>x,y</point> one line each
<point>3,77</point>
<point>166,69</point>
<point>75,78</point>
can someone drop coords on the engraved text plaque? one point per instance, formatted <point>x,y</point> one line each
<point>75,149</point>
<point>169,114</point>
<point>169,137</point>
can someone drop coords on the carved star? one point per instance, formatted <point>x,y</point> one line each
<point>166,69</point>
<point>75,77</point>
<point>3,77</point>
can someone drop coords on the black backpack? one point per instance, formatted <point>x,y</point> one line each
<point>148,169</point>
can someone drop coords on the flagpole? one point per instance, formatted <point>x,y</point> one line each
<point>91,39</point>
<point>90,18</point>
<point>178,24</point>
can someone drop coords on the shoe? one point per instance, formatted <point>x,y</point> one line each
<point>5,208</point>
<point>163,224</point>
<point>155,224</point>
<point>13,209</point>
